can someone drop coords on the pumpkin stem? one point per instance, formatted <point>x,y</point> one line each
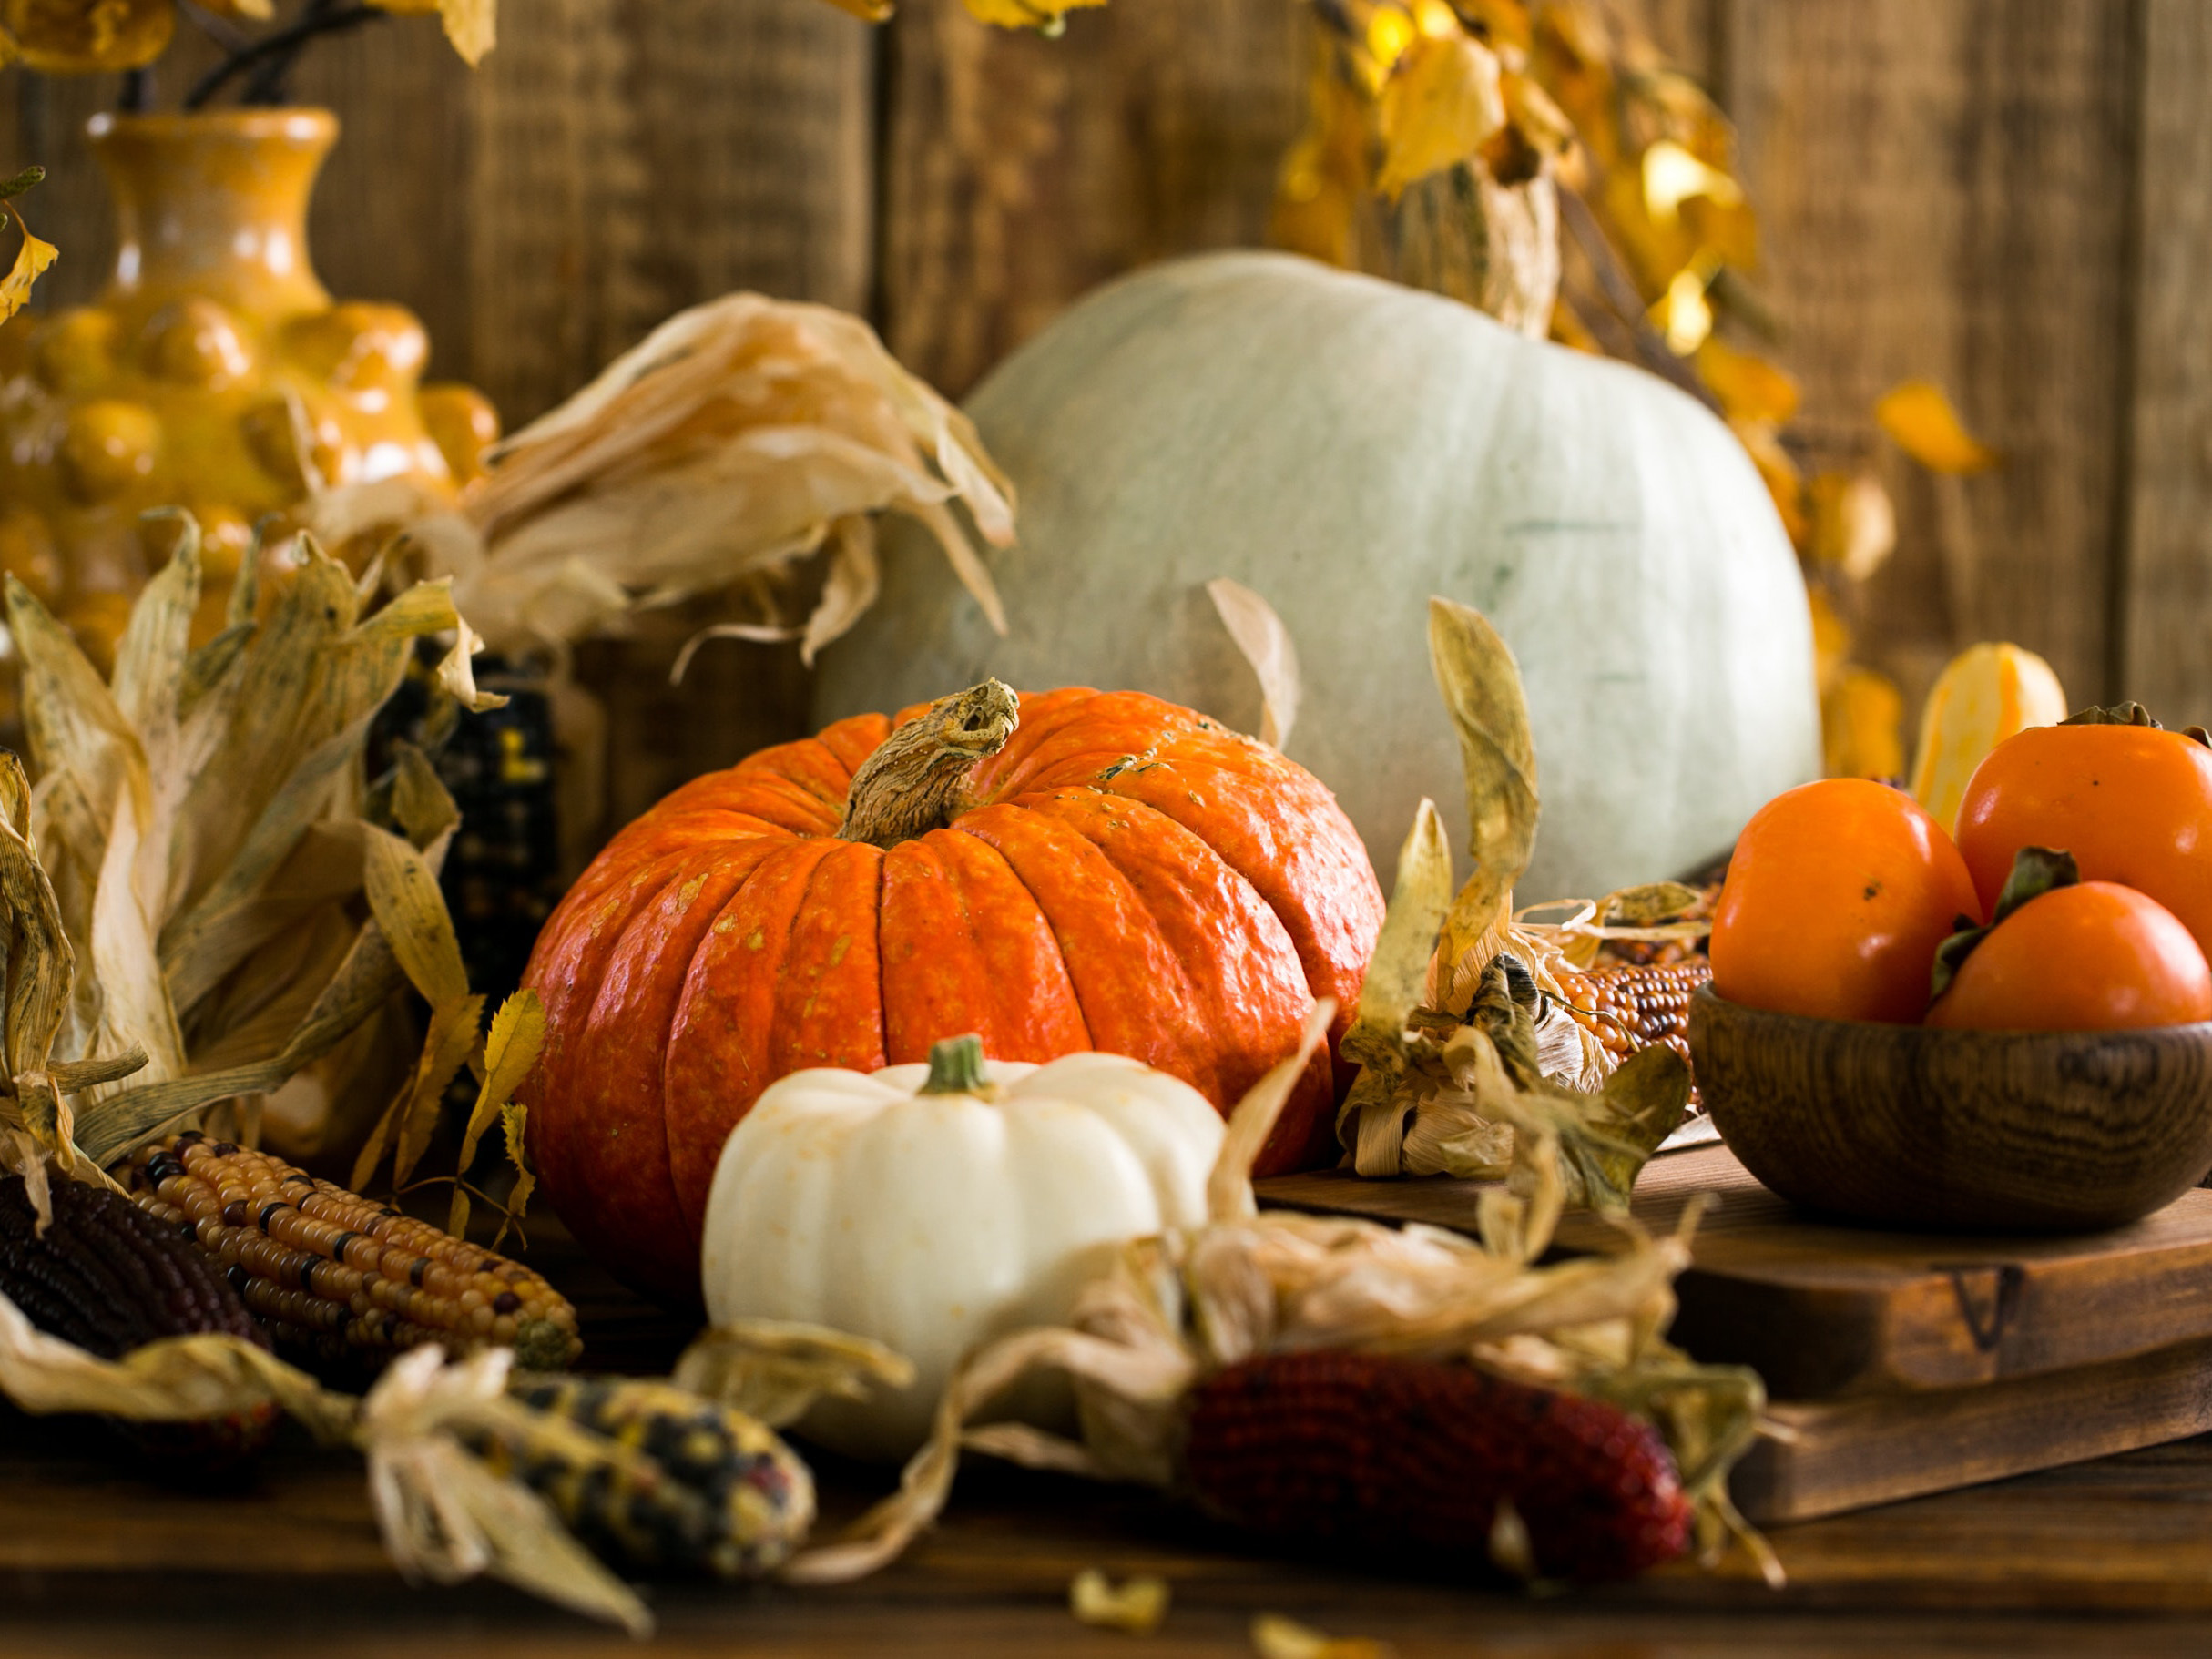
<point>956,1066</point>
<point>914,782</point>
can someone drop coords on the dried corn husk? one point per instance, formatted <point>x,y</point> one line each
<point>443,1513</point>
<point>1459,1071</point>
<point>212,843</point>
<point>741,437</point>
<point>1177,1306</point>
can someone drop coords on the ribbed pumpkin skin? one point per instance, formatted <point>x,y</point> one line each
<point>1134,879</point>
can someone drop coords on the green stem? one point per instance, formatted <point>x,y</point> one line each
<point>956,1066</point>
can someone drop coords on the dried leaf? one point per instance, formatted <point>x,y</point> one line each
<point>1275,1637</point>
<point>32,261</point>
<point>1442,104</point>
<point>1481,684</point>
<point>402,891</point>
<point>1749,388</point>
<point>1926,427</point>
<point>1862,726</point>
<point>1394,987</point>
<point>1137,1606</point>
<point>1266,644</point>
<point>776,1369</point>
<point>740,438</point>
<point>510,1051</point>
<point>1045,17</point>
<point>514,1119</point>
<point>1854,527</point>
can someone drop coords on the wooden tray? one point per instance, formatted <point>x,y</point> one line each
<point>1900,1363</point>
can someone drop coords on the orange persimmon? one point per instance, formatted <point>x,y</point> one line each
<point>2093,956</point>
<point>2133,804</point>
<point>1837,896</point>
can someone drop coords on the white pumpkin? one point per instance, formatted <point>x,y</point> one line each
<point>1346,448</point>
<point>932,1206</point>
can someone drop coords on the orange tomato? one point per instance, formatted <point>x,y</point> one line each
<point>2131,803</point>
<point>1837,894</point>
<point>2094,957</point>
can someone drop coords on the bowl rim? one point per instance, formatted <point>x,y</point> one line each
<point>2199,1030</point>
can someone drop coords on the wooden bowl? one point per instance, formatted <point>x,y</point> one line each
<point>1966,1130</point>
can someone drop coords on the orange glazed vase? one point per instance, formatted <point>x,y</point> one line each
<point>215,374</point>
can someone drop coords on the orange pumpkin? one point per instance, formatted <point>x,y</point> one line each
<point>1092,871</point>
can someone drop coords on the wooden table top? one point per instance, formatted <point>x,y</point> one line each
<point>94,1559</point>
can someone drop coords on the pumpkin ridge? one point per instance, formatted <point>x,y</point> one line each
<point>1121,972</point>
<point>1244,979</point>
<point>716,1059</point>
<point>622,1113</point>
<point>1029,1014</point>
<point>556,1121</point>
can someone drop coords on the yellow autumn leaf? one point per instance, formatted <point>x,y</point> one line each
<point>1045,17</point>
<point>1831,641</point>
<point>1672,175</point>
<point>471,25</point>
<point>86,36</point>
<point>1862,726</point>
<point>1442,104</point>
<point>1854,527</point>
<point>1749,388</point>
<point>868,11</point>
<point>31,260</point>
<point>1926,427</point>
<point>1683,314</point>
<point>1779,472</point>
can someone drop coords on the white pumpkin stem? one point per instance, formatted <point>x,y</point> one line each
<point>956,1066</point>
<point>913,783</point>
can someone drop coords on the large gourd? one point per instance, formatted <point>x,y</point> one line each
<point>1347,447</point>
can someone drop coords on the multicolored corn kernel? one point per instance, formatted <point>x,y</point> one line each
<point>340,1277</point>
<point>712,1492</point>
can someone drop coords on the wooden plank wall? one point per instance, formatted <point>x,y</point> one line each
<point>2005,196</point>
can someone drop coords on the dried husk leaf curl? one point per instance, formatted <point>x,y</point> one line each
<point>739,438</point>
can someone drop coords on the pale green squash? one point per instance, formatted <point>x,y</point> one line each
<point>1346,447</point>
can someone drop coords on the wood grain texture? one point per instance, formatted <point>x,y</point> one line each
<point>2166,575</point>
<point>1832,1457</point>
<point>1825,1311</point>
<point>1958,1131</point>
<point>1945,190</point>
<point>1020,172</point>
<point>98,1562</point>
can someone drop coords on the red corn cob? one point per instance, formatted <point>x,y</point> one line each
<point>110,1278</point>
<point>1397,1454</point>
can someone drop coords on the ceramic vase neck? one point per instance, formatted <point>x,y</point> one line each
<point>215,204</point>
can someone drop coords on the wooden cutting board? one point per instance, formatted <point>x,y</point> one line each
<point>1899,1363</point>
<point>1823,1310</point>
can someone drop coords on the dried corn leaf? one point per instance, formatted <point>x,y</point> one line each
<point>202,822</point>
<point>740,438</point>
<point>774,1369</point>
<point>1480,685</point>
<point>1266,644</point>
<point>1927,427</point>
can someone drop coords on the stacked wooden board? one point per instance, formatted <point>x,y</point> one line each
<point>1898,1364</point>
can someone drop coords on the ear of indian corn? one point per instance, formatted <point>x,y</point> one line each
<point>110,1278</point>
<point>1631,1008</point>
<point>342,1278</point>
<point>1397,1455</point>
<point>705,1490</point>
